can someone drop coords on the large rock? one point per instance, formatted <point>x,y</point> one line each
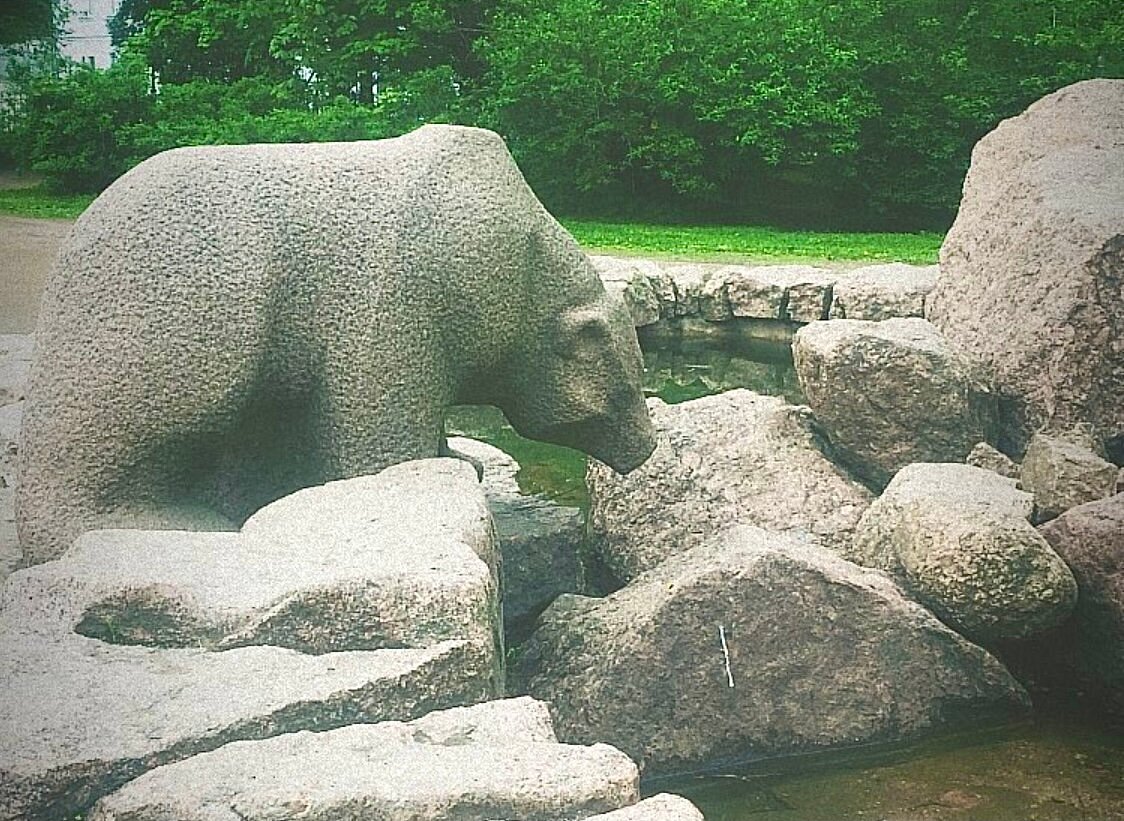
<point>732,457</point>
<point>959,539</point>
<point>878,292</point>
<point>1090,647</point>
<point>541,542</point>
<point>1063,474</point>
<point>755,644</point>
<point>1033,267</point>
<point>891,393</point>
<point>362,600</point>
<point>495,760</point>
<point>227,324</point>
<point>985,456</point>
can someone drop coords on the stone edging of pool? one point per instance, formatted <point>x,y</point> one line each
<point>767,302</point>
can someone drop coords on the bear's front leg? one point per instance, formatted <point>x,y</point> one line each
<point>366,418</point>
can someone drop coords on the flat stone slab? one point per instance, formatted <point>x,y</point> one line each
<point>798,293</point>
<point>499,759</point>
<point>718,292</point>
<point>362,600</point>
<point>662,807</point>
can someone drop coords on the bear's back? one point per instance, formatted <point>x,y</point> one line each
<point>238,243</point>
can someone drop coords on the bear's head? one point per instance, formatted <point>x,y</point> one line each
<point>581,386</point>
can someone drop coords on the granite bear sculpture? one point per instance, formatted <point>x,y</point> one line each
<point>227,324</point>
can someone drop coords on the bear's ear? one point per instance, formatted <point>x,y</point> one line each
<point>585,328</point>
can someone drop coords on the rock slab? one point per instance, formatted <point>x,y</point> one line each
<point>362,600</point>
<point>891,393</point>
<point>662,807</point>
<point>719,292</point>
<point>732,457</point>
<point>754,644</point>
<point>1062,474</point>
<point>1032,268</point>
<point>878,292</point>
<point>1090,538</point>
<point>959,539</point>
<point>495,760</point>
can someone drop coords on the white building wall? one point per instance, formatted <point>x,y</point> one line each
<point>85,35</point>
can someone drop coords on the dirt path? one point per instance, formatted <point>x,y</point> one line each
<point>27,249</point>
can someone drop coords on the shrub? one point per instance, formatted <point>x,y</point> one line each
<point>74,128</point>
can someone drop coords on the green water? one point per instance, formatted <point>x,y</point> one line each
<point>684,369</point>
<point>676,371</point>
<point>544,470</point>
<point>1058,768</point>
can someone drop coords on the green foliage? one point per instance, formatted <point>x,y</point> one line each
<point>216,40</point>
<point>850,114</point>
<point>349,47</point>
<point>945,72</point>
<point>329,50</point>
<point>84,128</point>
<point>75,128</point>
<point>23,20</point>
<point>848,111</point>
<point>679,97</point>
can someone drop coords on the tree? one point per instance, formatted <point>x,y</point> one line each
<point>686,99</point>
<point>945,72</point>
<point>217,40</point>
<point>75,127</point>
<point>25,20</point>
<point>850,111</point>
<point>344,48</point>
<point>353,46</point>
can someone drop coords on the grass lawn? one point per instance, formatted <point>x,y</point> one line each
<point>39,203</point>
<point>753,244</point>
<point>719,243</point>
